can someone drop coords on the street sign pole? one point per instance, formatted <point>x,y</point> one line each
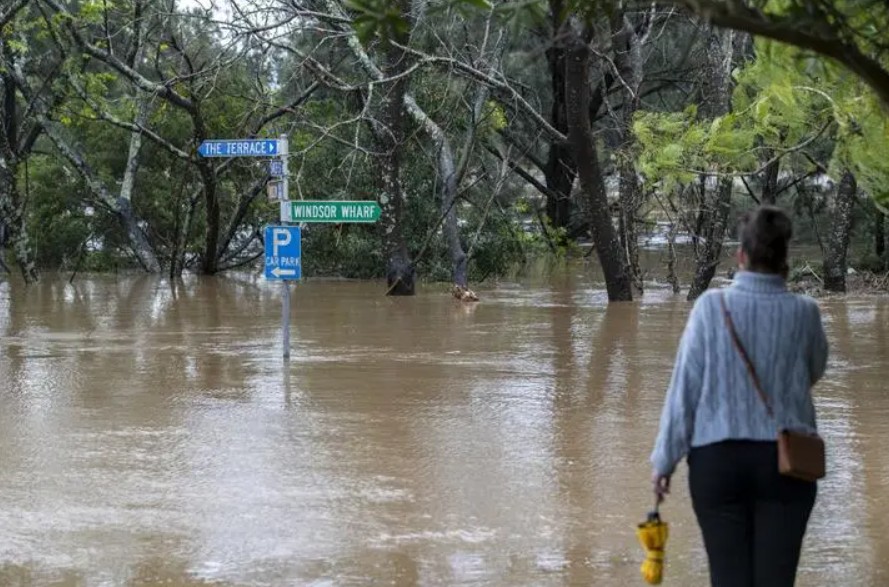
<point>283,151</point>
<point>283,247</point>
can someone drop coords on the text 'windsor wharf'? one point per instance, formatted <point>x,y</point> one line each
<point>341,211</point>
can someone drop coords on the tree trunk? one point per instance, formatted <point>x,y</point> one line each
<point>12,207</point>
<point>387,128</point>
<point>672,278</point>
<point>447,172</point>
<point>838,240</point>
<point>560,170</point>
<point>12,213</point>
<point>400,270</point>
<point>210,258</point>
<point>630,196</point>
<point>181,234</point>
<point>138,240</point>
<point>582,141</point>
<point>770,178</point>
<point>449,209</point>
<point>879,234</point>
<point>627,50</point>
<point>716,192</point>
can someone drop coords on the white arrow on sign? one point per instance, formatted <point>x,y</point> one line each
<point>278,272</point>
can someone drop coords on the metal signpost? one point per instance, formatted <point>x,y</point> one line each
<point>283,244</point>
<point>283,262</point>
<point>284,184</point>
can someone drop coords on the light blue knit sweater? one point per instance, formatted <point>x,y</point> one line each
<point>711,396</point>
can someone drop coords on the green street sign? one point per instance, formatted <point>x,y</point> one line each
<point>335,212</point>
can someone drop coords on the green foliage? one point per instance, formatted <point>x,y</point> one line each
<point>783,101</point>
<point>502,247</point>
<point>674,148</point>
<point>493,119</point>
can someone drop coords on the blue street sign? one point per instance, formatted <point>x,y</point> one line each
<point>239,148</point>
<point>282,252</point>
<point>276,168</point>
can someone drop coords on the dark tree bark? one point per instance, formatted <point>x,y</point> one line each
<point>627,45</point>
<point>560,171</point>
<point>210,255</point>
<point>835,264</point>
<point>716,192</point>
<point>12,150</point>
<point>583,145</point>
<point>12,213</point>
<point>400,271</point>
<point>879,234</point>
<point>770,178</point>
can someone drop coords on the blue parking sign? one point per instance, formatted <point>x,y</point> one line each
<point>282,252</point>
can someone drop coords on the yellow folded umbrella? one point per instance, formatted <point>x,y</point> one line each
<point>653,535</point>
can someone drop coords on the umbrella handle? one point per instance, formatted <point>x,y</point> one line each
<point>655,515</point>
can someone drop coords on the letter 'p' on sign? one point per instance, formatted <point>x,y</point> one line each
<point>280,238</point>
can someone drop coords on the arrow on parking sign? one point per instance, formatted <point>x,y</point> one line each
<point>278,272</point>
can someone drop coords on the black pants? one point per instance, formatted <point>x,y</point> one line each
<point>752,518</point>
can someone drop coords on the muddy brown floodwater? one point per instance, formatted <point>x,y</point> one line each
<point>152,435</point>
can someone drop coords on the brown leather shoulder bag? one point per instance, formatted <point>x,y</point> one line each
<point>800,455</point>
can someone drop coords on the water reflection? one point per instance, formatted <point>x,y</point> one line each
<point>151,434</point>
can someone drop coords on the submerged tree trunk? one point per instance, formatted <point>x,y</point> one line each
<point>387,127</point>
<point>12,214</point>
<point>400,271</point>
<point>716,192</point>
<point>835,264</point>
<point>630,196</point>
<point>627,42</point>
<point>12,151</point>
<point>583,145</point>
<point>210,256</point>
<point>138,240</point>
<point>672,278</point>
<point>447,171</point>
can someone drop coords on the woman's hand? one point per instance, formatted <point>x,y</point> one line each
<point>661,486</point>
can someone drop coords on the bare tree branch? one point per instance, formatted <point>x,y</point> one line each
<point>104,114</point>
<point>145,84</point>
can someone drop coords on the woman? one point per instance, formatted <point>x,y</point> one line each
<point>752,518</point>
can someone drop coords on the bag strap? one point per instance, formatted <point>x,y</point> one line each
<point>737,344</point>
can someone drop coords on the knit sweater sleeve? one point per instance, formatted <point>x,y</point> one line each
<point>819,349</point>
<point>678,413</point>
